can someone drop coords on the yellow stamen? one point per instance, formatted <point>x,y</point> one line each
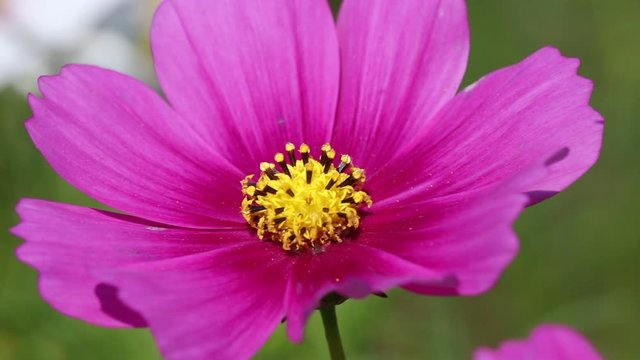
<point>309,203</point>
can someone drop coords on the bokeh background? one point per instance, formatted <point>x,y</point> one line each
<point>579,258</point>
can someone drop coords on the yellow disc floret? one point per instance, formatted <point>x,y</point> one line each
<point>307,202</point>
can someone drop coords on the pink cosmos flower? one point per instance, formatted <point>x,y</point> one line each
<point>446,174</point>
<point>546,342</point>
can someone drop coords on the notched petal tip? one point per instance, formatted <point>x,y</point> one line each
<point>22,206</point>
<point>46,82</point>
<point>35,102</point>
<point>31,97</point>
<point>553,54</point>
<point>550,50</point>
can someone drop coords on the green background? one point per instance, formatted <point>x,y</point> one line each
<point>579,258</point>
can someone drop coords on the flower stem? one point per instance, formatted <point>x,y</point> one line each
<point>331,332</point>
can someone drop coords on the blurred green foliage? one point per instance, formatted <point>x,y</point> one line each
<point>579,255</point>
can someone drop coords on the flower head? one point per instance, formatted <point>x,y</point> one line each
<point>212,259</point>
<point>546,342</point>
<point>309,204</point>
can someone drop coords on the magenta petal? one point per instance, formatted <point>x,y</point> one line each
<point>116,140</point>
<point>67,244</point>
<point>222,304</point>
<point>538,109</point>
<point>249,75</point>
<point>350,269</point>
<point>401,61</point>
<point>467,238</point>
<point>547,342</point>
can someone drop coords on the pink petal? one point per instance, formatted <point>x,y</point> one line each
<point>350,269</point>
<point>401,61</point>
<point>514,117</point>
<point>467,238</point>
<point>221,304</point>
<point>249,75</point>
<point>547,342</point>
<point>67,244</point>
<point>116,140</point>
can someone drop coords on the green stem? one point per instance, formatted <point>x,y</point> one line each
<point>331,332</point>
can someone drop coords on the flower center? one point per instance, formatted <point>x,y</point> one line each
<point>308,202</point>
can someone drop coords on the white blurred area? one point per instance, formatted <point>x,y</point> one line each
<point>37,37</point>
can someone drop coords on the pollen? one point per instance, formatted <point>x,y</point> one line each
<point>304,203</point>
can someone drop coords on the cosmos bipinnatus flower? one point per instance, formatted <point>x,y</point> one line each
<point>292,158</point>
<point>546,342</point>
